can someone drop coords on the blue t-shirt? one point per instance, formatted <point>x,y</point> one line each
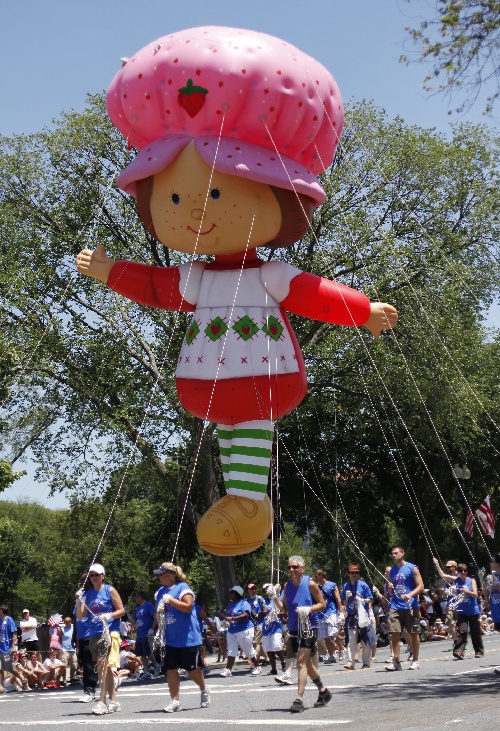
<point>234,609</point>
<point>7,630</point>
<point>403,581</point>
<point>181,628</point>
<point>144,616</point>
<point>327,591</point>
<point>359,588</point>
<point>298,596</point>
<point>470,604</point>
<point>270,628</point>
<point>100,602</point>
<point>82,626</point>
<point>66,641</point>
<point>495,601</point>
<point>257,605</point>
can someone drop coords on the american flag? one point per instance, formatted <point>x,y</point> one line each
<point>486,518</point>
<point>54,620</point>
<point>469,523</point>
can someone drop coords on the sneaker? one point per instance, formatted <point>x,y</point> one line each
<point>100,709</point>
<point>321,658</point>
<point>390,659</point>
<point>146,675</point>
<point>396,665</point>
<point>479,654</point>
<point>272,672</point>
<point>324,697</point>
<point>114,706</point>
<point>285,679</point>
<point>297,706</point>
<point>173,707</point>
<point>157,671</point>
<point>226,673</point>
<point>410,657</point>
<point>256,671</point>
<point>414,666</point>
<point>87,698</point>
<point>117,681</point>
<point>366,666</point>
<point>330,660</point>
<point>349,666</point>
<point>204,699</point>
<point>182,673</point>
<point>458,656</point>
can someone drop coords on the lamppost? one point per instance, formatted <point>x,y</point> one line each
<point>463,474</point>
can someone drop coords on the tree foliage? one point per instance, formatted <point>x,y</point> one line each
<point>462,42</point>
<point>411,218</point>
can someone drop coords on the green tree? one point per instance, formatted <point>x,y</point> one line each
<point>462,42</point>
<point>411,218</point>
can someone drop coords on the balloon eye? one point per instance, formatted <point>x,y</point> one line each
<point>175,199</point>
<point>215,194</point>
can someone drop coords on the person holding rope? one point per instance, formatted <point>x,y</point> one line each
<point>467,612</point>
<point>240,632</point>
<point>328,620</point>
<point>451,615</point>
<point>103,606</point>
<point>405,586</point>
<point>301,600</point>
<point>357,598</point>
<point>179,631</point>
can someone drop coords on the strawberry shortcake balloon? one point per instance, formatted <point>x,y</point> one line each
<point>232,128</point>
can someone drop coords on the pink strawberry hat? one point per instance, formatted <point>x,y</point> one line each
<point>254,105</point>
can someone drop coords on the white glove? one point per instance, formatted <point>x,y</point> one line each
<point>348,594</point>
<point>375,592</point>
<point>79,594</point>
<point>151,633</point>
<point>166,598</point>
<point>104,617</point>
<point>303,610</point>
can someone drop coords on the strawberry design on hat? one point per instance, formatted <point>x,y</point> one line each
<point>192,98</point>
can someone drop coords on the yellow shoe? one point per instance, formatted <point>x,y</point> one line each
<point>235,525</point>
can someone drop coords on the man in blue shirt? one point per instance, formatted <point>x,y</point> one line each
<point>405,586</point>
<point>8,641</point>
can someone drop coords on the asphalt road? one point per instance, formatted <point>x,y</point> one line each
<point>444,694</point>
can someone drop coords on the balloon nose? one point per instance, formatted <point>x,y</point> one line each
<point>197,214</point>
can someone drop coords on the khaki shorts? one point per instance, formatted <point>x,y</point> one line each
<point>400,620</point>
<point>69,658</point>
<point>257,637</point>
<point>113,658</point>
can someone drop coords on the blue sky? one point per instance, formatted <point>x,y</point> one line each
<point>56,51</point>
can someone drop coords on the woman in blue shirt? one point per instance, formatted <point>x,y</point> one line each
<point>175,601</point>
<point>103,606</point>
<point>240,632</point>
<point>467,615</point>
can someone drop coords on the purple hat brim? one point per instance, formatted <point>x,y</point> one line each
<point>226,155</point>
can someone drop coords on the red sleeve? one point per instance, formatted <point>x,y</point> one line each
<point>325,300</point>
<point>149,285</point>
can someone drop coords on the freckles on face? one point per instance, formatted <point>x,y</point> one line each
<point>199,210</point>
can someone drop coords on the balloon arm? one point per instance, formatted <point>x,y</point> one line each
<point>326,300</point>
<point>149,285</point>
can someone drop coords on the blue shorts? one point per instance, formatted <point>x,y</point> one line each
<point>142,647</point>
<point>187,658</point>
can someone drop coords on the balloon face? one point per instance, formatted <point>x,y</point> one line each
<point>199,210</point>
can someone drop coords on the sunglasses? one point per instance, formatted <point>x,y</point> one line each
<point>353,573</point>
<point>295,566</point>
<point>168,571</point>
<point>462,571</point>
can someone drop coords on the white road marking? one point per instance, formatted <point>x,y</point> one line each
<point>151,721</point>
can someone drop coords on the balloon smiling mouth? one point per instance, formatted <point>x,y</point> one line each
<point>202,233</point>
